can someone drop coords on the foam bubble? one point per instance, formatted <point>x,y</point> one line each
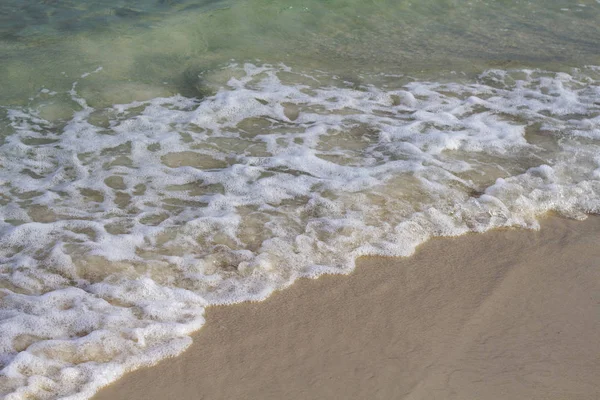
<point>118,226</point>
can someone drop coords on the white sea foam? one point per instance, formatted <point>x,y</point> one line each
<point>119,226</point>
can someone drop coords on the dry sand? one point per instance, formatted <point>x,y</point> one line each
<point>504,315</point>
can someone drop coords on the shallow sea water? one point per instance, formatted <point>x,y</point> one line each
<point>160,156</point>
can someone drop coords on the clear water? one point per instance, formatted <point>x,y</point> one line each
<point>157,157</point>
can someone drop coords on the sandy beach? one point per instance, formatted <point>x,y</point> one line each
<point>169,169</point>
<point>509,314</point>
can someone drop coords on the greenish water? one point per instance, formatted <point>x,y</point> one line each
<point>161,156</point>
<point>153,47</point>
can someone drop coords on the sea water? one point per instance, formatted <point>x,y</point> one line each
<point>161,156</point>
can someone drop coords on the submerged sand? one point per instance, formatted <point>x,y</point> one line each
<point>509,314</point>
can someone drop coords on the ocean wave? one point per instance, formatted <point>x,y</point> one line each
<point>118,226</point>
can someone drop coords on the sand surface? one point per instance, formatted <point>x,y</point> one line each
<point>508,314</point>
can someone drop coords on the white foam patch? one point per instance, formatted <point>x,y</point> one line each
<point>119,226</point>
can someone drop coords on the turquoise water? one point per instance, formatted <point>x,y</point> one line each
<point>161,156</point>
<point>157,47</point>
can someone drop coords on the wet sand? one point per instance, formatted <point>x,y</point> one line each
<point>509,314</point>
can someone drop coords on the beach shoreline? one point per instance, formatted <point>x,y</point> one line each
<point>500,315</point>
